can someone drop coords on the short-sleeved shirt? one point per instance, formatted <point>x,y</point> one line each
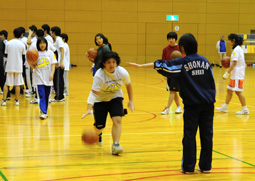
<point>14,50</point>
<point>109,84</point>
<point>239,70</point>
<point>42,72</point>
<point>24,40</point>
<point>59,44</point>
<point>49,39</point>
<point>167,51</point>
<point>50,46</point>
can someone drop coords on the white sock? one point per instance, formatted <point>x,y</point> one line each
<point>244,107</point>
<point>225,104</point>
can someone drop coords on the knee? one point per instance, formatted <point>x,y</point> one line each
<point>117,121</point>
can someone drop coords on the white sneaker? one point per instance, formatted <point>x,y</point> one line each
<point>165,111</point>
<point>3,103</point>
<point>186,172</point>
<point>61,100</point>
<point>243,111</point>
<point>30,95</point>
<point>117,149</point>
<point>34,101</point>
<point>16,102</point>
<point>100,141</point>
<point>27,91</point>
<point>224,108</point>
<point>204,171</point>
<point>178,110</point>
<point>43,116</point>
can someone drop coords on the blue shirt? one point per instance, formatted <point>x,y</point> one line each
<point>195,76</point>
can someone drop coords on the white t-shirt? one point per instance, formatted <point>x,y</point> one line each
<point>58,44</point>
<point>24,40</point>
<point>14,50</point>
<point>109,84</point>
<point>33,39</point>
<point>50,46</point>
<point>239,71</point>
<point>67,57</point>
<point>49,38</point>
<point>42,73</point>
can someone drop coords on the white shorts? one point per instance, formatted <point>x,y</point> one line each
<point>14,79</point>
<point>235,85</point>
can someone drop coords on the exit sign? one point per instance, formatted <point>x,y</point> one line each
<point>172,17</point>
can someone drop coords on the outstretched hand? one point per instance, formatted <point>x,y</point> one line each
<point>86,113</point>
<point>131,105</point>
<point>134,65</point>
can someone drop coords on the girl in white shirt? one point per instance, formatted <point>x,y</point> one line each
<point>237,70</point>
<point>44,70</point>
<point>106,96</point>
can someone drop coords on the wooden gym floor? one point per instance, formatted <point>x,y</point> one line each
<point>49,150</point>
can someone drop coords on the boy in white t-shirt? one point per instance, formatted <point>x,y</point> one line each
<point>59,70</point>
<point>66,62</point>
<point>237,70</point>
<point>106,96</point>
<point>43,74</point>
<point>46,29</point>
<point>15,51</point>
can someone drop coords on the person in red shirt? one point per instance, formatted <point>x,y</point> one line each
<point>172,84</point>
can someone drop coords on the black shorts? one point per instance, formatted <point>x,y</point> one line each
<point>101,109</point>
<point>172,85</point>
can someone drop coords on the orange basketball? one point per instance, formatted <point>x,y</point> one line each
<point>176,54</point>
<point>92,52</point>
<point>225,62</point>
<point>89,137</point>
<point>32,56</point>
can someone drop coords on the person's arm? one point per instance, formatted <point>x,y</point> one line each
<point>90,102</point>
<point>52,72</point>
<point>130,96</point>
<point>147,65</point>
<point>30,32</point>
<point>225,76</point>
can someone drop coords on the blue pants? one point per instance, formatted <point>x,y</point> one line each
<point>197,116</point>
<point>44,93</point>
<point>94,70</point>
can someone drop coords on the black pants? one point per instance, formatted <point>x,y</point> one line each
<point>2,79</point>
<point>59,83</point>
<point>197,116</point>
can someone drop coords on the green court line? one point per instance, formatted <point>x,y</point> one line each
<point>234,158</point>
<point>2,175</point>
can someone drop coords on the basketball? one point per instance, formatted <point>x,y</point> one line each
<point>225,62</point>
<point>32,56</point>
<point>176,54</point>
<point>89,137</point>
<point>92,53</point>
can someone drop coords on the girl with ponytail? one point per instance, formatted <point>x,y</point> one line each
<point>237,71</point>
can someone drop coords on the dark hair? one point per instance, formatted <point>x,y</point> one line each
<point>23,30</point>
<point>39,40</point>
<point>46,27</point>
<point>17,32</point>
<point>56,30</point>
<point>171,35</point>
<point>238,39</point>
<point>189,43</point>
<point>5,33</point>
<point>105,40</point>
<point>108,55</point>
<point>39,33</point>
<point>65,36</point>
<point>33,28</point>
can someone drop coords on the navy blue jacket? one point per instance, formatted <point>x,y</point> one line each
<point>194,75</point>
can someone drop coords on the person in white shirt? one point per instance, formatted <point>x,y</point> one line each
<point>66,62</point>
<point>43,74</point>
<point>60,66</point>
<point>237,71</point>
<point>46,29</point>
<point>15,51</point>
<point>221,47</point>
<point>106,96</point>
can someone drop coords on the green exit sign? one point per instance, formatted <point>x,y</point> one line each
<point>172,17</point>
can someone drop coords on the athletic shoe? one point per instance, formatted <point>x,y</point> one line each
<point>43,116</point>
<point>66,94</point>
<point>224,108</point>
<point>34,101</point>
<point>165,111</point>
<point>100,140</point>
<point>30,95</point>
<point>27,91</point>
<point>243,111</point>
<point>8,98</point>
<point>204,171</point>
<point>186,172</point>
<point>61,100</point>
<point>3,103</point>
<point>117,149</point>
<point>178,110</point>
<point>16,102</point>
